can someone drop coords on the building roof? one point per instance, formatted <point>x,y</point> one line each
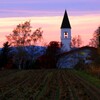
<point>92,49</point>
<point>65,22</point>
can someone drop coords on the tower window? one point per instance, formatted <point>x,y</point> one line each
<point>65,35</point>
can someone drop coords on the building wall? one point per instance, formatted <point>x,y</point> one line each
<point>66,42</point>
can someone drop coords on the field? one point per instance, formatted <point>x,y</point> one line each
<point>49,84</point>
<point>95,71</point>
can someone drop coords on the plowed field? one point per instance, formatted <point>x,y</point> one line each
<point>45,85</point>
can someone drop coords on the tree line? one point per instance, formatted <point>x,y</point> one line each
<point>22,37</point>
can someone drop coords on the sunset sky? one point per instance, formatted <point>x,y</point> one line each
<point>84,16</point>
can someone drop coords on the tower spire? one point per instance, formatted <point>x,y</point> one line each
<point>65,22</point>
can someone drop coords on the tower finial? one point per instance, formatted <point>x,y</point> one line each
<point>65,22</point>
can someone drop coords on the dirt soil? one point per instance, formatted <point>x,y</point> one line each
<point>44,84</point>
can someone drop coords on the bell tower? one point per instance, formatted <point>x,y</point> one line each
<point>66,33</point>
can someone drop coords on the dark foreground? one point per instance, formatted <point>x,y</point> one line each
<point>46,85</point>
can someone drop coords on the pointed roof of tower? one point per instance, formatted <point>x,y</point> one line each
<point>65,22</point>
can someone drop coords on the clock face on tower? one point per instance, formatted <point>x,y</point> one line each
<point>65,35</point>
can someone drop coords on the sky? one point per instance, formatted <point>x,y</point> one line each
<point>84,16</point>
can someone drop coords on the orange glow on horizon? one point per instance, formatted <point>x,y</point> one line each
<point>81,25</point>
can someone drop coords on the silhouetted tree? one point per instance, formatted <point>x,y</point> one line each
<point>53,48</point>
<point>52,51</point>
<point>95,41</point>
<point>76,41</point>
<point>4,54</point>
<point>79,41</point>
<point>49,60</point>
<point>22,35</point>
<point>20,58</point>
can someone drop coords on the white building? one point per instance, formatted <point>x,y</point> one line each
<point>66,33</point>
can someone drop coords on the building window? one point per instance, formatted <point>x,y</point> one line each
<point>65,35</point>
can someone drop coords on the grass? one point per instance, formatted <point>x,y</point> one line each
<point>92,79</point>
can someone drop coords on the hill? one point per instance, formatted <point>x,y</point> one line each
<point>70,59</point>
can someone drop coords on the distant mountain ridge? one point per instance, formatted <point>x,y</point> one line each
<point>32,51</point>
